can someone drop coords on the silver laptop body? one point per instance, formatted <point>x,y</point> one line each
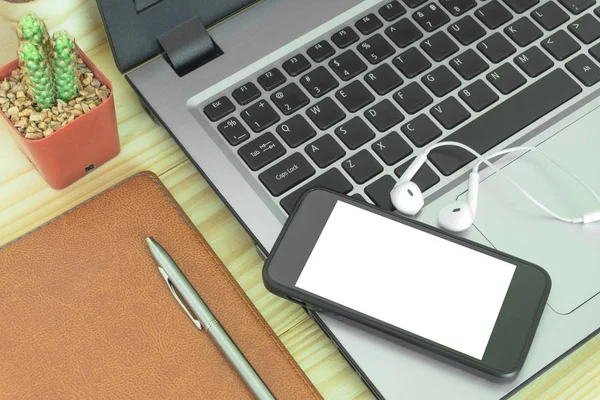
<point>271,32</point>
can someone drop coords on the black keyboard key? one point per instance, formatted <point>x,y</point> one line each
<point>344,37</point>
<point>392,10</point>
<point>271,79</point>
<point>520,6</point>
<point>431,17</point>
<point>421,130</point>
<point>506,78</point>
<point>332,179</point>
<point>524,108</point>
<point>379,192</point>
<point>549,15</point>
<point>439,46</point>
<point>496,47</point>
<point>354,96</point>
<point>414,3</point>
<point>425,178</point>
<point>533,61</point>
<point>219,108</point>
<point>441,81</point>
<point>450,113</point>
<point>586,28</point>
<point>577,6</point>
<point>412,62</point>
<point>469,64</point>
<point>319,81</point>
<point>347,65</point>
<point>245,94</point>
<point>324,151</point>
<point>289,99</point>
<point>296,131</point>
<point>260,115</point>
<point>376,49</point>
<point>296,65</point>
<point>368,24</point>
<point>595,52</point>
<point>286,174</point>
<point>597,11</point>
<point>383,79</point>
<point>391,148</point>
<point>466,30</point>
<point>325,113</point>
<point>458,7</point>
<point>493,14</point>
<point>478,95</point>
<point>560,45</point>
<point>320,51</point>
<point>412,98</point>
<point>523,31</point>
<point>261,151</point>
<point>362,166</point>
<point>384,115</point>
<point>403,33</point>
<point>584,69</point>
<point>233,131</point>
<point>354,133</point>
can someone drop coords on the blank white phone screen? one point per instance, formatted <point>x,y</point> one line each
<point>410,279</point>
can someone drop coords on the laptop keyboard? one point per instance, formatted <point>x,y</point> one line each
<point>351,110</point>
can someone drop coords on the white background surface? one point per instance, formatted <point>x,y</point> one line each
<point>439,290</point>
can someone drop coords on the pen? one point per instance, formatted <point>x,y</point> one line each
<point>202,317</point>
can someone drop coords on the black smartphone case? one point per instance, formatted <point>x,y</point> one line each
<point>313,303</point>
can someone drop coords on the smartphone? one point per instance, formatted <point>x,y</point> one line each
<point>410,282</point>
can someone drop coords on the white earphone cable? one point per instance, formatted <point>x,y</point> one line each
<point>508,178</point>
<point>559,165</point>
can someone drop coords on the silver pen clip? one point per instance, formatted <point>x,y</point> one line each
<point>172,289</point>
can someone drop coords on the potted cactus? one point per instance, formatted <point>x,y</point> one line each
<point>58,105</point>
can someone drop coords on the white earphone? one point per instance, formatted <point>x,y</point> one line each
<point>460,215</point>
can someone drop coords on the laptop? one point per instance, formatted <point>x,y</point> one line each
<point>280,96</point>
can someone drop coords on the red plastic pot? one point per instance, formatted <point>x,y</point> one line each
<point>77,148</point>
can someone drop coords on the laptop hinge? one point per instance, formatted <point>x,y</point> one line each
<point>188,46</point>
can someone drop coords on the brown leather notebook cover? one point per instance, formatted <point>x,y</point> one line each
<point>84,312</point>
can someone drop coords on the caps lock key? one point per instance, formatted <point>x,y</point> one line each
<point>286,174</point>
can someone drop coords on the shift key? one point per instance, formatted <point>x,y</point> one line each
<point>261,151</point>
<point>286,174</point>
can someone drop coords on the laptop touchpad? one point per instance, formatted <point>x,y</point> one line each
<point>570,253</point>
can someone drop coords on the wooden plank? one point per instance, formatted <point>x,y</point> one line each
<point>26,202</point>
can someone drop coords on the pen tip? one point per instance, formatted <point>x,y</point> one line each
<point>150,241</point>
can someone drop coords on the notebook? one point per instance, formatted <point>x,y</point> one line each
<point>85,313</point>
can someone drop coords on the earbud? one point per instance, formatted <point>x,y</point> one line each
<point>456,217</point>
<point>406,195</point>
<point>407,198</point>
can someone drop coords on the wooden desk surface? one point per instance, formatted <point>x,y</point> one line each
<point>26,202</point>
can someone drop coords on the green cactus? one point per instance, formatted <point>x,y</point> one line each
<point>38,74</point>
<point>32,28</point>
<point>64,66</point>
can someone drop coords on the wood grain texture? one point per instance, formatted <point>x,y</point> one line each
<point>26,202</point>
